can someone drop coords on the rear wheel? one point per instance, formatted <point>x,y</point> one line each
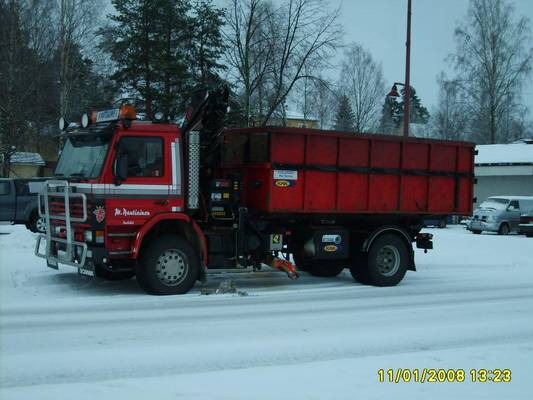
<point>504,229</point>
<point>442,224</point>
<point>169,265</point>
<point>476,232</point>
<point>386,264</point>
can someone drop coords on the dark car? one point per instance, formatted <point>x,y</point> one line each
<point>18,202</point>
<point>525,226</point>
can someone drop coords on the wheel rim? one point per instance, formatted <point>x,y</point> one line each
<point>505,229</point>
<point>40,224</point>
<point>388,260</point>
<point>172,267</point>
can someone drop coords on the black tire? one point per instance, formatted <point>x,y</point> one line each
<point>36,224</point>
<point>529,234</point>
<point>476,232</point>
<point>387,262</point>
<point>504,229</point>
<point>182,260</point>
<point>113,275</point>
<point>442,224</point>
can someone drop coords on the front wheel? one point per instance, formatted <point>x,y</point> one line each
<point>36,224</point>
<point>504,229</point>
<point>169,265</point>
<point>476,232</point>
<point>386,262</point>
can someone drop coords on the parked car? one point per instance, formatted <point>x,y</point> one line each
<point>526,223</point>
<point>439,222</point>
<point>499,214</point>
<point>18,203</point>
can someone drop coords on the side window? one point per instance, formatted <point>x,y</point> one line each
<point>514,204</point>
<point>4,188</point>
<point>145,156</point>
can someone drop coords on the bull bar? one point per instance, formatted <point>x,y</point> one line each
<point>75,253</point>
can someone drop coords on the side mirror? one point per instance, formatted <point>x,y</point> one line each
<point>121,167</point>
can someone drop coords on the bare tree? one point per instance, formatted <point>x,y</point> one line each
<point>361,79</point>
<point>248,50</point>
<point>78,20</point>
<point>493,58</point>
<point>450,119</point>
<point>302,33</point>
<point>316,97</point>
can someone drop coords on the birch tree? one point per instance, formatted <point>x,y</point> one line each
<point>493,59</point>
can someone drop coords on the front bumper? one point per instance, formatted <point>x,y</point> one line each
<point>478,225</point>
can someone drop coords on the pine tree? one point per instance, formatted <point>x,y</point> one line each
<point>418,114</point>
<point>206,44</point>
<point>146,44</point>
<point>390,120</point>
<point>345,118</point>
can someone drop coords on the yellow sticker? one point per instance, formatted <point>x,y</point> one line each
<point>283,183</point>
<point>276,238</point>
<point>330,248</point>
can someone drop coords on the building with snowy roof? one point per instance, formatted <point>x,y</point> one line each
<point>504,169</point>
<point>25,165</point>
<point>299,120</point>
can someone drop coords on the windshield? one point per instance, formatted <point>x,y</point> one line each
<point>494,204</point>
<point>82,159</point>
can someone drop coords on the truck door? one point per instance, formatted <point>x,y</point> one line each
<point>7,201</point>
<point>146,189</point>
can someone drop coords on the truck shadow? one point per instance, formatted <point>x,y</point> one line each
<point>97,286</point>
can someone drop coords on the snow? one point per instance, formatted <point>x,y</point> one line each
<point>514,153</point>
<point>468,306</point>
<point>26,158</point>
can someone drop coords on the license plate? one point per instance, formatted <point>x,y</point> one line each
<point>107,115</point>
<point>86,271</point>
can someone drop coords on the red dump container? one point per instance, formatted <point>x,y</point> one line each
<point>293,170</point>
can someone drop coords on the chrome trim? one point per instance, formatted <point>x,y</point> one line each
<point>122,234</point>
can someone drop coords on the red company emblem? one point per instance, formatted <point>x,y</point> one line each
<point>99,213</point>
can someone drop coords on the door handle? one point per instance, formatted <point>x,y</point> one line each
<point>161,202</point>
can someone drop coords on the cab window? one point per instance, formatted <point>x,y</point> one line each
<point>514,204</point>
<point>145,156</point>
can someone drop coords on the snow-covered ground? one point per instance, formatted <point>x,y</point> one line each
<point>470,305</point>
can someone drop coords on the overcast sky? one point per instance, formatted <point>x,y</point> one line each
<point>380,26</point>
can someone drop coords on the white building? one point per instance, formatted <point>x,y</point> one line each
<point>504,169</point>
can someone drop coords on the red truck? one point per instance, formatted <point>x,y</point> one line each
<point>165,203</point>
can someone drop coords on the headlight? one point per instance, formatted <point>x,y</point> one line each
<point>88,236</point>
